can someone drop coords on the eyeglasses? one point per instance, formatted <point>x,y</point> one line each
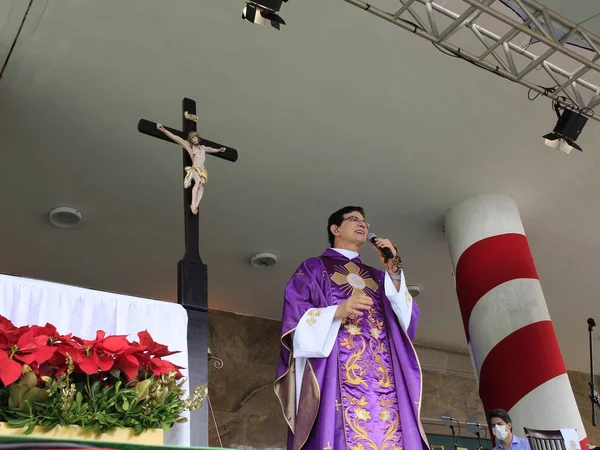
<point>356,219</point>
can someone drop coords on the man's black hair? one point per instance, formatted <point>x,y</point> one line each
<point>500,414</point>
<point>338,217</point>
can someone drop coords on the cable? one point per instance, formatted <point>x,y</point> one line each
<point>447,53</point>
<point>212,412</point>
<point>589,18</point>
<point>547,90</point>
<point>14,43</point>
<point>458,54</point>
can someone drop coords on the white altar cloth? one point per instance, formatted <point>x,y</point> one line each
<point>83,311</point>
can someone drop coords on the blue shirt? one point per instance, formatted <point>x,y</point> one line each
<point>516,444</point>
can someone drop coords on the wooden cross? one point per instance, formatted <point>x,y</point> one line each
<point>191,286</point>
<point>192,274</point>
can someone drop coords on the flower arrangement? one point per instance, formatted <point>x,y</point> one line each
<point>48,379</point>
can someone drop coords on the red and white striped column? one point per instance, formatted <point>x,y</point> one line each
<point>514,349</point>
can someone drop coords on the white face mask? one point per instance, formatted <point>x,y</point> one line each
<point>500,432</point>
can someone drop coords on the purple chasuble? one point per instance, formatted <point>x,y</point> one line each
<point>367,394</point>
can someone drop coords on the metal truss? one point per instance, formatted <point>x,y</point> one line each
<point>507,52</point>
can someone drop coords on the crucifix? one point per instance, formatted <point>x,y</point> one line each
<point>192,287</point>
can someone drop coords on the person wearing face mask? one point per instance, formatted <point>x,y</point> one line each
<point>502,430</point>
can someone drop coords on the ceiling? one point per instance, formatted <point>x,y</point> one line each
<point>584,12</point>
<point>337,108</point>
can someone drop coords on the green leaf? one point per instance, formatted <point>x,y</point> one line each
<point>142,389</point>
<point>125,404</point>
<point>35,395</point>
<point>79,398</point>
<point>17,423</point>
<point>16,395</point>
<point>29,380</point>
<point>80,385</point>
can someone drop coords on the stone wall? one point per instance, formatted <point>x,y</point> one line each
<point>581,389</point>
<point>247,412</point>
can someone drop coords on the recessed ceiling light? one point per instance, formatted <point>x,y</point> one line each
<point>64,217</point>
<point>413,290</point>
<point>263,260</point>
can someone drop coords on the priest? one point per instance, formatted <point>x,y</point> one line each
<point>348,375</point>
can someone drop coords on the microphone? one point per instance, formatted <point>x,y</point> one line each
<point>384,251</point>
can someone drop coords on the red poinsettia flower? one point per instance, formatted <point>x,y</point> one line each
<point>88,355</point>
<point>125,354</point>
<point>159,366</point>
<point>154,348</point>
<point>32,348</point>
<point>6,327</point>
<point>57,364</point>
<point>118,345</point>
<point>93,363</point>
<point>129,365</point>
<point>9,333</point>
<point>47,352</point>
<point>47,330</point>
<point>10,370</point>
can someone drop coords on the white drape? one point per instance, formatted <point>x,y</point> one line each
<point>83,311</point>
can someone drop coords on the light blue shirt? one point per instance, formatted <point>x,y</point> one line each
<point>516,444</point>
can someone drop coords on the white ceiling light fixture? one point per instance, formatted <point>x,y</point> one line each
<point>263,260</point>
<point>64,217</point>
<point>413,290</point>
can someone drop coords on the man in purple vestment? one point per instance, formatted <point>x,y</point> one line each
<point>349,376</point>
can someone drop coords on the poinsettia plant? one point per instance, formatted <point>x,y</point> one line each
<point>49,379</point>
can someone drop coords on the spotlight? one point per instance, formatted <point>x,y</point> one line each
<point>566,131</point>
<point>262,12</point>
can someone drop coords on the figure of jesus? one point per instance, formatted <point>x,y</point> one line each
<point>196,172</point>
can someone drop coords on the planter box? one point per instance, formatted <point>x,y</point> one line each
<point>149,437</point>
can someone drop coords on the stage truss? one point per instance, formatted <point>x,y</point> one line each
<point>536,52</point>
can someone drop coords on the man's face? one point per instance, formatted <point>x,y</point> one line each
<point>498,421</point>
<point>353,229</point>
<point>195,140</point>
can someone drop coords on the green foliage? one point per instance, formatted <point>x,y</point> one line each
<point>24,391</point>
<point>96,405</point>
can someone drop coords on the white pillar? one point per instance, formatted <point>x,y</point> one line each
<point>512,341</point>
